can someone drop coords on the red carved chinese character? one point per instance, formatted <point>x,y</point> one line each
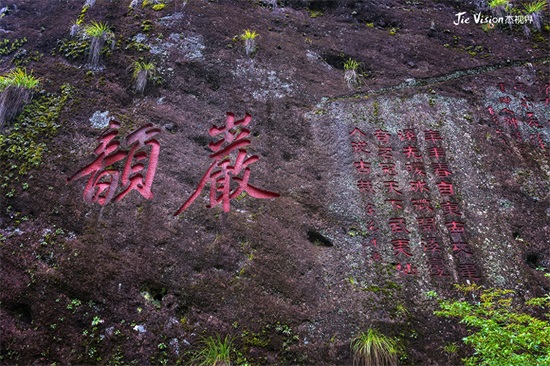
<point>436,152</point>
<point>461,249</point>
<point>538,140</point>
<point>406,134</point>
<point>362,166</point>
<point>382,136</point>
<point>373,242</point>
<point>371,227</point>
<point>502,87</point>
<point>401,246</point>
<point>365,186</point>
<point>426,223</point>
<point>385,152</point>
<point>392,186</point>
<point>388,168</point>
<point>441,169</point>
<point>411,152</point>
<point>103,181</point>
<point>407,268</point>
<point>437,267</point>
<point>396,204</point>
<point>221,172</point>
<point>356,130</point>
<point>419,186</point>
<point>505,99</point>
<point>450,208</point>
<point>445,189</point>
<point>491,110</point>
<point>369,209</point>
<point>532,120</point>
<point>431,245</point>
<point>422,204</point>
<point>376,257</point>
<point>359,146</point>
<point>415,168</point>
<point>525,103</point>
<point>432,136</point>
<point>398,225</point>
<point>455,227</point>
<point>468,270</point>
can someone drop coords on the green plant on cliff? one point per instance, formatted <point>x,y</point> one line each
<point>214,351</point>
<point>499,7</point>
<point>536,11</point>
<point>350,72</point>
<point>142,72</point>
<point>16,88</point>
<point>372,348</point>
<point>99,33</point>
<point>249,38</point>
<point>502,334</point>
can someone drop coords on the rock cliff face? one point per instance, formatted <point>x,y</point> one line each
<point>262,196</point>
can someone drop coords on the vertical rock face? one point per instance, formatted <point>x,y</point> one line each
<point>259,196</point>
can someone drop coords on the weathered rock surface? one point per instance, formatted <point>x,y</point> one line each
<point>432,170</point>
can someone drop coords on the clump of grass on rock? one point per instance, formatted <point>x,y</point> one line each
<point>372,348</point>
<point>99,34</point>
<point>16,88</point>
<point>142,72</point>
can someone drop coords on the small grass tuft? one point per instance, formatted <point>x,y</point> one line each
<point>16,89</point>
<point>351,76</point>
<point>143,71</point>
<point>214,352</point>
<point>99,33</point>
<point>372,348</point>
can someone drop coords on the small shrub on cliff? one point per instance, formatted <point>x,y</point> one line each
<point>143,71</point>
<point>350,72</point>
<point>249,38</point>
<point>502,335</point>
<point>372,348</point>
<point>16,89</point>
<point>99,34</point>
<point>499,7</point>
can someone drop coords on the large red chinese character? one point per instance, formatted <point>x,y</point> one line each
<point>362,166</point>
<point>392,186</point>
<point>406,134</point>
<point>419,186</point>
<point>532,120</point>
<point>401,246</point>
<point>450,208</point>
<point>104,179</point>
<point>221,172</point>
<point>411,152</point>
<point>398,225</point>
<point>445,188</point>
<point>382,136</point>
